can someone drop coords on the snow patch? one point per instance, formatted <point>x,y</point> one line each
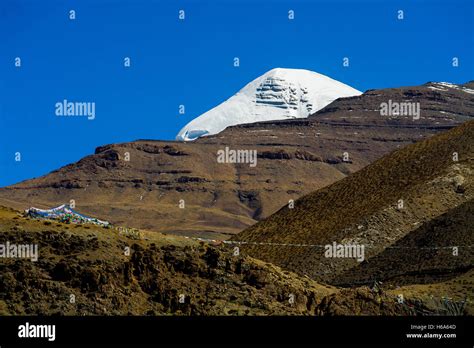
<point>443,86</point>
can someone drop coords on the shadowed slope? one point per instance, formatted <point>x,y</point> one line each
<point>364,209</point>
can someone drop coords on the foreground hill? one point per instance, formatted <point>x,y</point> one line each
<point>409,209</point>
<point>141,183</point>
<point>83,270</point>
<point>90,263</point>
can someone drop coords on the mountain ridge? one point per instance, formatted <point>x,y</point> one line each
<point>295,157</point>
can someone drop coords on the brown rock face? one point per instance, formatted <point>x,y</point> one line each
<point>181,188</point>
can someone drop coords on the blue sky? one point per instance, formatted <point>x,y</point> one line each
<point>190,62</point>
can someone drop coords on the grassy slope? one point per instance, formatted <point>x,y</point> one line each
<point>422,174</point>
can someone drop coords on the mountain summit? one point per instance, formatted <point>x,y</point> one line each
<point>276,95</point>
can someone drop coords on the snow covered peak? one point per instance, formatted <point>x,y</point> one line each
<point>276,95</point>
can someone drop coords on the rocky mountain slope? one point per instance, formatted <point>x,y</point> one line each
<point>181,188</point>
<point>412,210</point>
